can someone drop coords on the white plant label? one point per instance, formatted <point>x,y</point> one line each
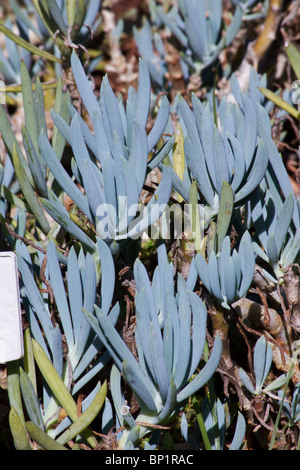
<point>11,337</point>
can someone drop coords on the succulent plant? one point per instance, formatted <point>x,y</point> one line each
<point>114,177</point>
<point>262,361</point>
<point>233,153</point>
<point>291,410</point>
<point>199,29</point>
<point>168,354</point>
<point>213,423</point>
<point>228,276</point>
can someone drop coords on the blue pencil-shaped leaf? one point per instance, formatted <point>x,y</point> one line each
<point>272,250</point>
<point>196,27</point>
<point>143,94</point>
<point>161,154</point>
<point>239,433</point>
<point>257,172</point>
<point>239,166</point>
<point>247,260</point>
<point>138,384</point>
<point>110,102</point>
<point>284,222</point>
<point>130,204</point>
<point>250,130</point>
<point>109,186</point>
<point>30,398</point>
<point>221,168</point>
<point>195,160</point>
<point>160,370</point>
<point>262,361</point>
<point>143,330</point>
<point>205,374</point>
<point>62,217</point>
<point>61,125</point>
<point>137,379</point>
<point>199,330</point>
<point>184,346</point>
<point>213,275</point>
<point>202,268</point>
<point>234,26</point>
<point>59,292</point>
<point>154,208</point>
<point>138,155</point>
<point>62,176</point>
<point>35,299</point>
<point>170,403</point>
<point>34,164</point>
<point>89,138</point>
<point>168,343</point>
<point>230,281</point>
<point>75,292</point>
<point>91,183</point>
<point>246,381</point>
<point>83,85</point>
<point>103,146</point>
<point>107,275</point>
<point>223,260</point>
<point>160,123</point>
<point>293,251</point>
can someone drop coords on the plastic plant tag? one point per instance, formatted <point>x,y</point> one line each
<point>11,337</point>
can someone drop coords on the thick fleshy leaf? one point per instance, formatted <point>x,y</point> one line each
<point>62,176</point>
<point>62,217</point>
<point>262,361</point>
<point>205,374</point>
<point>246,381</point>
<point>107,275</point>
<point>83,85</point>
<point>284,222</point>
<point>160,123</point>
<point>143,94</point>
<point>239,433</point>
<point>59,292</point>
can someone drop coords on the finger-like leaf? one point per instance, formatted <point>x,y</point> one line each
<point>205,374</point>
<point>239,433</point>
<point>246,381</point>
<point>58,388</point>
<point>20,438</point>
<point>59,292</point>
<point>30,398</point>
<point>86,418</point>
<point>34,164</point>
<point>29,192</point>
<point>284,222</point>
<point>107,276</point>
<point>262,361</point>
<point>61,216</point>
<point>225,213</point>
<point>160,123</point>
<point>41,438</point>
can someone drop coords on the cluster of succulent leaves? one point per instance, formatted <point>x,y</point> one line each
<point>232,175</point>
